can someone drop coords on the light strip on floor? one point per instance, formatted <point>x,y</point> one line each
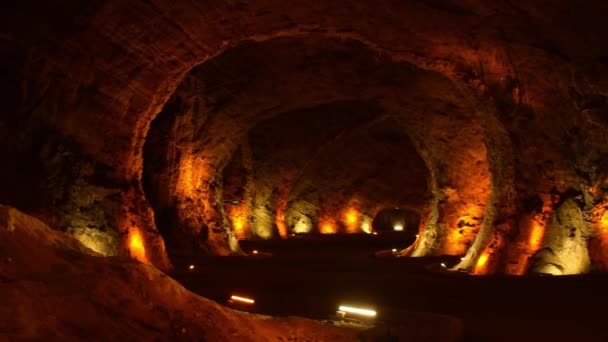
<point>242,299</point>
<point>358,311</point>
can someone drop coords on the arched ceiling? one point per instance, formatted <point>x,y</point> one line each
<point>221,100</point>
<point>504,102</point>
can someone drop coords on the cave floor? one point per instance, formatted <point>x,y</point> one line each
<point>288,279</point>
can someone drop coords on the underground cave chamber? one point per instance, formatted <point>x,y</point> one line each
<point>473,133</point>
<point>248,149</point>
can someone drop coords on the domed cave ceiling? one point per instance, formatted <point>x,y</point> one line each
<point>171,134</point>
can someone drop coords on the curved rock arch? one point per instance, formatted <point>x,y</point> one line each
<point>400,88</point>
<point>105,111</point>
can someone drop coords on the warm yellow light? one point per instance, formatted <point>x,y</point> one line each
<point>255,251</point>
<point>398,227</point>
<point>366,226</point>
<point>98,241</point>
<point>375,233</point>
<point>303,225</point>
<point>353,310</point>
<point>242,299</point>
<point>191,267</point>
<point>136,246</point>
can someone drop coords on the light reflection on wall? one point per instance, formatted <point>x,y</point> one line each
<point>281,225</point>
<point>262,227</point>
<point>482,264</point>
<point>238,223</point>
<point>327,227</point>
<point>238,217</point>
<point>366,224</point>
<point>351,219</point>
<point>598,246</point>
<point>532,227</point>
<point>303,225</point>
<point>537,231</point>
<point>279,219</point>
<point>105,243</point>
<point>137,248</point>
<point>464,229</point>
<point>604,222</point>
<point>190,173</point>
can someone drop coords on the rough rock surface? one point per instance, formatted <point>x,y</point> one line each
<point>54,288</point>
<point>505,102</point>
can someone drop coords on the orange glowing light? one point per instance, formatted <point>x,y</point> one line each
<point>238,217</point>
<point>537,231</point>
<point>454,242</point>
<point>239,227</point>
<point>136,246</point>
<point>191,267</point>
<point>482,262</point>
<point>351,218</point>
<point>280,215</point>
<point>604,221</point>
<point>328,228</point>
<point>464,228</point>
<point>281,227</point>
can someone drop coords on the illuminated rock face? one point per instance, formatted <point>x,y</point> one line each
<point>148,116</point>
<point>565,245</point>
<point>53,288</point>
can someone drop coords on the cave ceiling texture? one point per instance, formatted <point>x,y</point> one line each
<point>183,126</point>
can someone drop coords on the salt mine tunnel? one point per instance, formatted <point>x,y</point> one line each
<point>442,162</point>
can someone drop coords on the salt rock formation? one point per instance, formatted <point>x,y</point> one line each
<point>54,288</point>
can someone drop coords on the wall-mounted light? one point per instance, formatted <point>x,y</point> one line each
<point>357,311</point>
<point>243,300</point>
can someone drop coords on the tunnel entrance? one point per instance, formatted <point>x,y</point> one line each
<point>397,221</point>
<point>320,155</point>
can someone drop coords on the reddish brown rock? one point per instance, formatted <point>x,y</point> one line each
<point>503,102</point>
<point>54,288</point>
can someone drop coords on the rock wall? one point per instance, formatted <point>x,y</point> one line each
<point>54,288</point>
<point>506,104</point>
